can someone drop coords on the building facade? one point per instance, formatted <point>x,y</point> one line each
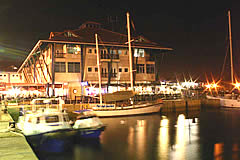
<point>67,61</point>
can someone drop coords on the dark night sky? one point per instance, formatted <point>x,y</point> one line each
<point>196,30</point>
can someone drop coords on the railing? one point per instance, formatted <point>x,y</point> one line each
<point>60,55</point>
<point>105,75</point>
<point>109,56</point>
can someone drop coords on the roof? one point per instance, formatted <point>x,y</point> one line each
<point>86,34</point>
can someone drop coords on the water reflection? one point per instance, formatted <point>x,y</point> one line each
<point>193,135</point>
<point>163,138</point>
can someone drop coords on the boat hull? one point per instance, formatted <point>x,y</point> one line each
<point>233,103</point>
<point>127,111</point>
<point>90,132</point>
<point>226,102</point>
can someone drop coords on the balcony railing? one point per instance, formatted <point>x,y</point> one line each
<point>105,75</point>
<point>109,56</point>
<point>60,55</point>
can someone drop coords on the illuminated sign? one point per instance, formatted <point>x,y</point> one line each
<point>84,83</point>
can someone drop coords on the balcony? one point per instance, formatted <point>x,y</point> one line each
<point>60,55</point>
<point>105,75</point>
<point>109,56</point>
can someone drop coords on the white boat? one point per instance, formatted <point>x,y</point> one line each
<point>227,101</point>
<point>88,125</point>
<point>44,122</point>
<point>121,103</point>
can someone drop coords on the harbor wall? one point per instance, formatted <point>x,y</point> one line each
<point>210,103</point>
<point>180,105</point>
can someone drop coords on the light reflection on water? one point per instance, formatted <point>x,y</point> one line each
<point>194,135</point>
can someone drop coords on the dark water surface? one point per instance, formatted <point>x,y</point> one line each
<point>198,135</point>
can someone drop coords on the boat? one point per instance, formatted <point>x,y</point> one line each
<point>121,103</point>
<point>47,122</point>
<point>230,99</point>
<point>87,124</point>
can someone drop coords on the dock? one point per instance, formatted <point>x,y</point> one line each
<point>13,145</point>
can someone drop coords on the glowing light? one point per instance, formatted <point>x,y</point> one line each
<point>236,85</point>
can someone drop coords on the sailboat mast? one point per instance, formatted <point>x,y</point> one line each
<point>99,69</point>
<point>230,43</point>
<point>130,52</point>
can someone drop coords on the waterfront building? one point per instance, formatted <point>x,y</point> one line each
<point>67,61</point>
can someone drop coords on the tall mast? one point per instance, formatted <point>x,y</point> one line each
<point>99,70</point>
<point>130,52</point>
<point>230,43</point>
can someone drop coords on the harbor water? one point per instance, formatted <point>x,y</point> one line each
<point>196,135</point>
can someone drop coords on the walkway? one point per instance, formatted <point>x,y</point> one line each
<point>13,145</point>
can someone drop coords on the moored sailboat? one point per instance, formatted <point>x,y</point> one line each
<point>229,100</point>
<point>121,103</point>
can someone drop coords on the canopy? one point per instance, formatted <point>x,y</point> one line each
<point>118,96</point>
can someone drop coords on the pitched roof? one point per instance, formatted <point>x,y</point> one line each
<point>86,34</point>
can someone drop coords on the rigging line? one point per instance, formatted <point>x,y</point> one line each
<point>224,63</point>
<point>100,39</point>
<point>162,59</point>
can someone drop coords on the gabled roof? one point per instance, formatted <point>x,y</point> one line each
<point>86,34</point>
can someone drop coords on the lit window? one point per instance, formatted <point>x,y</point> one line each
<point>72,49</point>
<point>139,52</point>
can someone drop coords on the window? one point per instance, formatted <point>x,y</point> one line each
<point>60,67</point>
<point>74,67</point>
<point>125,69</point>
<point>120,69</point>
<point>139,52</point>
<point>125,52</point>
<point>140,68</point>
<point>96,69</point>
<point>0,75</point>
<point>119,51</point>
<point>89,50</point>
<point>38,120</point>
<point>150,68</point>
<point>52,119</point>
<point>72,49</point>
<point>89,69</point>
